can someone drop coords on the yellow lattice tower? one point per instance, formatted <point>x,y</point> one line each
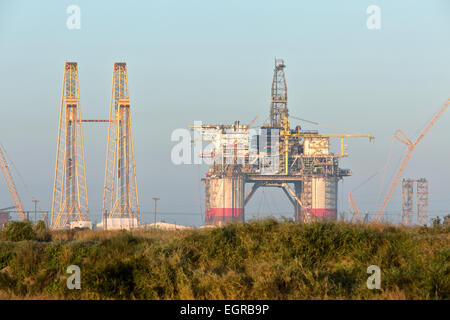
<point>120,197</point>
<point>69,191</point>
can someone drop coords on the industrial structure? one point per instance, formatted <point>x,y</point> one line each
<point>421,201</point>
<point>70,203</point>
<point>120,198</point>
<point>400,136</point>
<point>4,215</point>
<point>120,195</point>
<point>298,161</point>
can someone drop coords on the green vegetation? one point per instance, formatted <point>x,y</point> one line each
<point>20,231</point>
<point>257,260</point>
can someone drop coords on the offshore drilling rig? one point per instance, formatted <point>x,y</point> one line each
<point>274,156</point>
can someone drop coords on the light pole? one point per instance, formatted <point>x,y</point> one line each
<point>155,199</point>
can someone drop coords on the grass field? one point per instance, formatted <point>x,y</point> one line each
<point>257,260</point>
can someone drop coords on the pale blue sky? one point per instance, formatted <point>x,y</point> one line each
<point>213,61</point>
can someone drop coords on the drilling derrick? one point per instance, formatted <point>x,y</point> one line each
<point>278,105</point>
<point>120,197</point>
<point>70,204</point>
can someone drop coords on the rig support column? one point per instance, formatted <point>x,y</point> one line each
<point>298,193</point>
<point>224,199</point>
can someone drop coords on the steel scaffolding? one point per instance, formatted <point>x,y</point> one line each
<point>421,199</point>
<point>407,201</point>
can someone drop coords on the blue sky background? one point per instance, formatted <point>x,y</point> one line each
<point>213,61</point>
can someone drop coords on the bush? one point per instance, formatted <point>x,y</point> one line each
<point>447,221</point>
<point>436,222</point>
<point>258,260</point>
<point>18,231</point>
<point>114,279</point>
<point>41,232</point>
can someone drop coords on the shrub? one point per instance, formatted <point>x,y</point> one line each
<point>41,232</point>
<point>447,221</point>
<point>258,260</point>
<point>436,222</point>
<point>114,279</point>
<point>19,231</point>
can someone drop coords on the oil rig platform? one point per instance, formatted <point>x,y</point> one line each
<point>298,161</point>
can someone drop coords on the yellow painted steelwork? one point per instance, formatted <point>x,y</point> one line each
<point>120,196</point>
<point>70,201</point>
<point>285,135</point>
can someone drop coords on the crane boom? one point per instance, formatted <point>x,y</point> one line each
<point>252,123</point>
<point>355,207</point>
<point>411,145</point>
<point>11,186</point>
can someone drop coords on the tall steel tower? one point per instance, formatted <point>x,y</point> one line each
<point>120,197</point>
<point>421,198</point>
<point>70,202</point>
<point>422,201</point>
<point>407,201</point>
<point>278,105</point>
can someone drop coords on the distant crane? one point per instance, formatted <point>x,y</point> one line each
<point>10,184</point>
<point>355,207</point>
<point>352,200</point>
<point>410,145</point>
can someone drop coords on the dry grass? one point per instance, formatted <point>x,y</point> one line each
<point>98,235</point>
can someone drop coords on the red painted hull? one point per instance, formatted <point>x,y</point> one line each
<point>224,215</point>
<point>324,213</point>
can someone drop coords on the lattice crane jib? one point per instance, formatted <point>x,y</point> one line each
<point>120,197</point>
<point>70,201</point>
<point>278,106</point>
<point>399,135</point>
<point>11,186</point>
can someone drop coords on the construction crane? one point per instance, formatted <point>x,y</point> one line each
<point>10,184</point>
<point>410,145</point>
<point>352,200</point>
<point>355,207</point>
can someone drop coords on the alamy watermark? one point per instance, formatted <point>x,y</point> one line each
<point>74,281</point>
<point>73,21</point>
<point>374,20</point>
<point>374,281</point>
<point>217,145</point>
